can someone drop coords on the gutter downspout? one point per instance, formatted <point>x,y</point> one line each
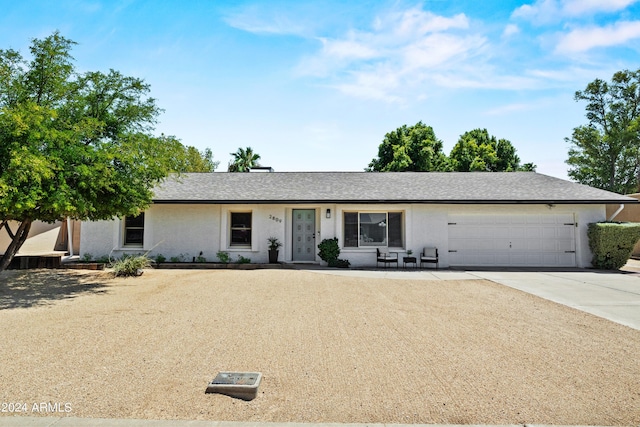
<point>615,214</point>
<point>69,236</point>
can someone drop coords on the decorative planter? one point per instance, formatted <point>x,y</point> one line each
<point>273,256</point>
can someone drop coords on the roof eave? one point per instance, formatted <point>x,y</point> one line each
<point>396,201</point>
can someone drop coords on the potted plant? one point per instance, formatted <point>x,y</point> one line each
<point>274,244</point>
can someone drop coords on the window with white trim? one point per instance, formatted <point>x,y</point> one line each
<point>240,230</point>
<point>133,233</point>
<point>371,229</point>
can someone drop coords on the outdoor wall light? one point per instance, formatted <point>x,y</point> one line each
<point>328,213</point>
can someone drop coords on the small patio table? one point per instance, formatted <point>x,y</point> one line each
<point>409,260</point>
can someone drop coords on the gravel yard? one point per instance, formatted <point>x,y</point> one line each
<point>330,348</point>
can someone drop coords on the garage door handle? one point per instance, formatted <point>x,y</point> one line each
<point>452,250</point>
<point>569,252</point>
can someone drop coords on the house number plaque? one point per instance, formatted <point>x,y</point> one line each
<point>276,219</point>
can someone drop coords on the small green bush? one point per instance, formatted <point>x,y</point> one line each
<point>612,243</point>
<point>340,263</point>
<point>104,259</point>
<point>329,250</point>
<point>86,257</point>
<point>160,258</point>
<point>223,257</point>
<point>179,258</point>
<point>243,260</point>
<point>130,265</point>
<point>200,258</point>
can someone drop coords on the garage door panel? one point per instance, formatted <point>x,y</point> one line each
<point>550,232</point>
<point>517,232</point>
<point>512,240</point>
<point>566,232</point>
<point>566,245</point>
<point>499,232</point>
<point>567,259</point>
<point>535,245</point>
<point>532,233</point>
<point>518,245</point>
<point>533,220</point>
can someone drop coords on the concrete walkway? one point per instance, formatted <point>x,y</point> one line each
<point>613,295</point>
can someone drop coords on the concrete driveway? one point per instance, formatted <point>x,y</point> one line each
<point>613,295</point>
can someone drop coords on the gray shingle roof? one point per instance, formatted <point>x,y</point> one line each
<point>372,187</point>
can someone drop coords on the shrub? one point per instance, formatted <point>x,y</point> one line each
<point>104,259</point>
<point>612,243</point>
<point>130,265</point>
<point>340,263</point>
<point>179,258</point>
<point>160,258</point>
<point>86,257</point>
<point>223,257</point>
<point>243,260</point>
<point>200,258</point>
<point>329,250</point>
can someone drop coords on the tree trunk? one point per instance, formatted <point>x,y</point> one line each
<point>18,239</point>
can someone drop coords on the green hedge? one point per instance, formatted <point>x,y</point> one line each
<point>612,243</point>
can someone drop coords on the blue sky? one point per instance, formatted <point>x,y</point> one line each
<point>315,85</point>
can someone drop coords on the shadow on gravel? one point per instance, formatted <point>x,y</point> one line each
<point>30,288</point>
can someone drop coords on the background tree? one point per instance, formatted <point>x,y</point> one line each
<point>606,152</point>
<point>413,148</point>
<point>243,160</point>
<point>476,150</point>
<point>194,160</point>
<point>74,145</point>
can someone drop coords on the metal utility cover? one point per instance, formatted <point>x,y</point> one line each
<point>241,385</point>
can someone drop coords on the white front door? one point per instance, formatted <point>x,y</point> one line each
<point>304,235</point>
<point>512,240</point>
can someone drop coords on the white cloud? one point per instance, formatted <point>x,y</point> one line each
<point>553,11</point>
<point>348,49</point>
<point>255,19</point>
<point>584,39</point>
<point>380,85</point>
<point>510,30</point>
<point>396,56</point>
<point>540,12</point>
<point>582,7</point>
<point>510,108</point>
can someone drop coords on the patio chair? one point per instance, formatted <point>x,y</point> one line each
<point>386,258</point>
<point>429,256</point>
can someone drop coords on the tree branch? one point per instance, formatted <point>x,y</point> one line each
<point>5,224</point>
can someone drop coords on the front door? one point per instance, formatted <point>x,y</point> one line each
<point>304,235</point>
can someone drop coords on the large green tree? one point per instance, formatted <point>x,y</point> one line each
<point>194,160</point>
<point>72,144</point>
<point>410,148</point>
<point>244,160</point>
<point>476,150</point>
<point>605,153</point>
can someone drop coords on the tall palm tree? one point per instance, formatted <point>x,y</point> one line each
<point>243,160</point>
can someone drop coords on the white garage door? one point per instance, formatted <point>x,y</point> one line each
<point>512,240</point>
